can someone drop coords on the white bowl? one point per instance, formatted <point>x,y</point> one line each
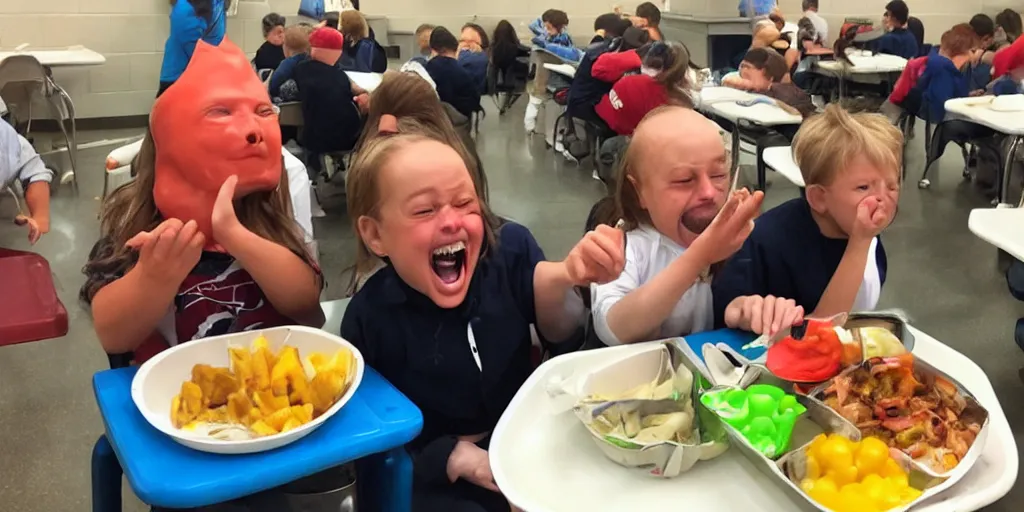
<point>160,378</point>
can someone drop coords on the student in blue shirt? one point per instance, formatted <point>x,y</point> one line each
<point>474,47</point>
<point>942,79</point>
<point>823,250</point>
<point>191,20</point>
<point>296,50</point>
<point>455,85</point>
<point>447,319</point>
<point>898,40</point>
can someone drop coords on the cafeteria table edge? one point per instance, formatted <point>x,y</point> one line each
<point>395,423</point>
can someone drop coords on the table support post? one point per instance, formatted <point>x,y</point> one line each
<point>106,478</point>
<point>1011,155</point>
<point>385,481</point>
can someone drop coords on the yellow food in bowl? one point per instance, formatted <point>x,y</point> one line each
<point>262,393</point>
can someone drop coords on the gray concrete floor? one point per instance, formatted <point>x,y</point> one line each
<point>939,273</point>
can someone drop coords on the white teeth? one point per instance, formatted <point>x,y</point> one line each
<point>451,248</point>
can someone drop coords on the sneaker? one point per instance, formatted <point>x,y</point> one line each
<point>532,111</point>
<point>568,156</point>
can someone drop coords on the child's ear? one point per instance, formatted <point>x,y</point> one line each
<point>816,198</point>
<point>636,190</point>
<point>369,231</point>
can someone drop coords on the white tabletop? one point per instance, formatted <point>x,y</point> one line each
<point>1001,227</point>
<point>368,81</point>
<point>978,110</point>
<point>864,63</point>
<point>544,460</point>
<point>781,159</point>
<point>566,70</point>
<point>760,113</point>
<point>710,94</point>
<point>74,56</point>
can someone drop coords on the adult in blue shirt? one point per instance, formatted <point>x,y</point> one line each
<point>898,40</point>
<point>191,20</point>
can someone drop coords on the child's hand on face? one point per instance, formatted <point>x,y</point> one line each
<point>225,223</point>
<point>168,253</point>
<point>873,216</point>
<point>598,258</point>
<point>731,226</point>
<point>363,101</point>
<point>763,315</point>
<point>473,464</point>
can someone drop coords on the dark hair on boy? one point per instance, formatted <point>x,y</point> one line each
<point>983,25</point>
<point>426,27</point>
<point>607,22</point>
<point>272,21</point>
<point>649,12</point>
<point>485,41</point>
<point>333,20</point>
<point>1010,22</point>
<point>442,40</point>
<point>959,40</point>
<point>810,4</point>
<point>558,19</point>
<point>769,61</point>
<point>898,11</point>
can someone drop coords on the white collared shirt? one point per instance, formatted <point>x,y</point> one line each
<point>648,252</point>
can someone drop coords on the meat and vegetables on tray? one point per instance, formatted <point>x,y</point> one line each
<point>920,413</point>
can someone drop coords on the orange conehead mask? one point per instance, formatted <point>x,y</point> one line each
<point>215,121</point>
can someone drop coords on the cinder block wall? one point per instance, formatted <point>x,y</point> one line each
<point>131,33</point>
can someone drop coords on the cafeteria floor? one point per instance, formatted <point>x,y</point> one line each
<point>939,273</point>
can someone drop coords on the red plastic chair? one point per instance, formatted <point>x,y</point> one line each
<point>31,309</point>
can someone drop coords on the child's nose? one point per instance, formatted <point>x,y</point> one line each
<point>705,188</point>
<point>450,219</point>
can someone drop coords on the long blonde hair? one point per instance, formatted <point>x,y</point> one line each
<point>131,209</point>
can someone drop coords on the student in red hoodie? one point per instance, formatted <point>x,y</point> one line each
<point>662,80</point>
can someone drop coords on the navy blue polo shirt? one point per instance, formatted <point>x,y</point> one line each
<point>899,42</point>
<point>786,256</point>
<point>455,86</point>
<point>424,350</point>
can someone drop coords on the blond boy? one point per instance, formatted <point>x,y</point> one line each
<point>823,250</point>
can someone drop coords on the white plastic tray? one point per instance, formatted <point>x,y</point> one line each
<point>543,459</point>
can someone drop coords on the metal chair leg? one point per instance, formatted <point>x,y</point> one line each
<point>1004,184</point>
<point>925,182</point>
<point>106,478</point>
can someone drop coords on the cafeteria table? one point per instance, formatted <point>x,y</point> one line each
<point>979,110</point>
<point>781,160</point>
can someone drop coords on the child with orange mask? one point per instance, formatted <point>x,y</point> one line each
<point>447,319</point>
<point>202,242</point>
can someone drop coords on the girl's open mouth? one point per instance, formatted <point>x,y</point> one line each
<point>448,262</point>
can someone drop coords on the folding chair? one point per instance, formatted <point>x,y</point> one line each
<point>22,78</point>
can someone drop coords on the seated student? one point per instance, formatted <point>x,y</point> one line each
<point>587,88</point>
<point>680,220</point>
<point>979,71</point>
<point>602,25</point>
<point>271,53</point>
<point>454,85</point>
<point>474,47</point>
<point>1009,70</point>
<point>331,103</point>
<point>1009,26</point>
<point>367,55</point>
<point>648,17</point>
<point>763,71</point>
<point>662,80</point>
<point>451,270</point>
<point>505,46</point>
<point>942,79</point>
<point>810,8</point>
<point>20,162</point>
<point>767,36</point>
<point>897,40</point>
<point>175,250</point>
<point>550,34</point>
<point>823,250</point>
<point>423,43</point>
<point>296,49</point>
